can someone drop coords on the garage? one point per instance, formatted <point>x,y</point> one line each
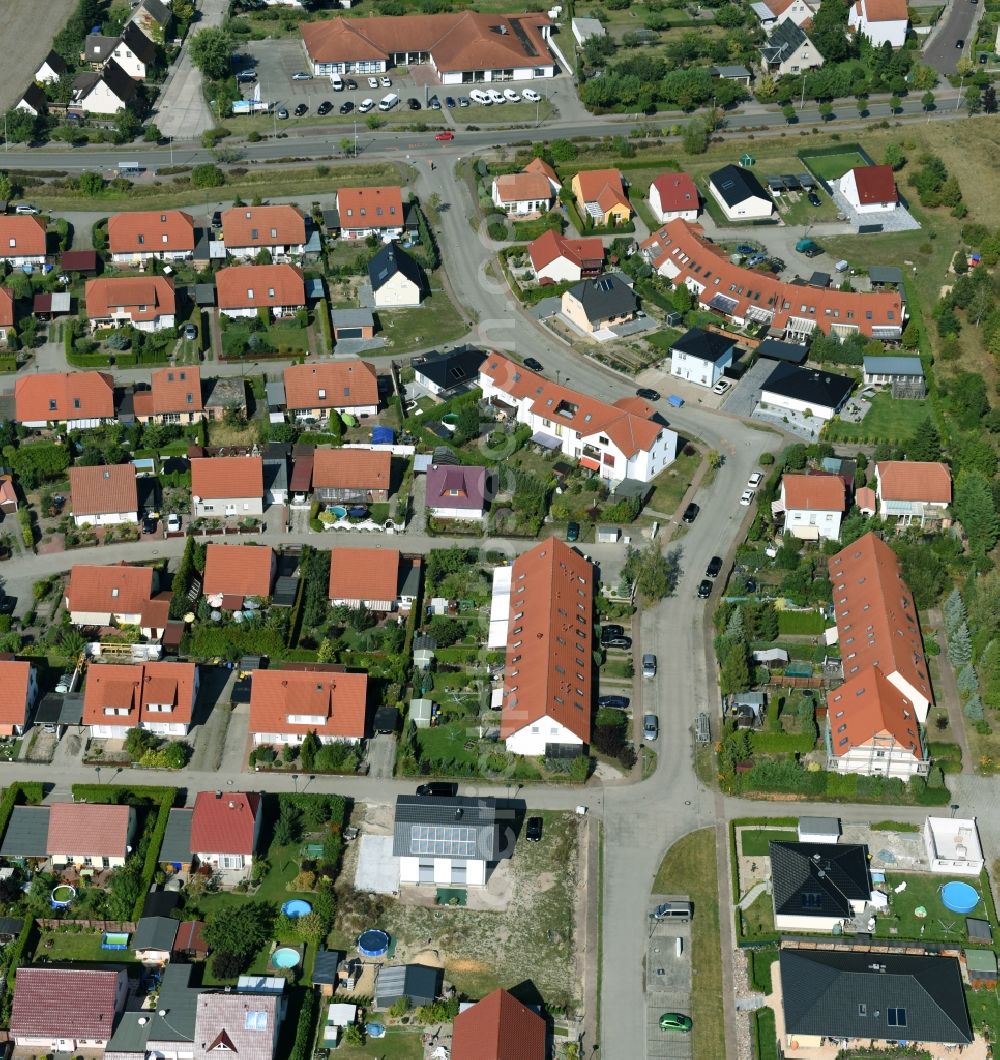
<point>352,324</point>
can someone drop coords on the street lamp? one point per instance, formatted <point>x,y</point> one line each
<point>954,809</point>
<point>295,778</point>
<point>98,768</point>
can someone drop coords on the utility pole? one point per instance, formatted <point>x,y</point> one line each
<point>958,102</point>
<point>356,135</point>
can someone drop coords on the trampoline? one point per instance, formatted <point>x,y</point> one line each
<point>285,957</point>
<point>296,907</point>
<point>62,896</point>
<point>959,897</point>
<point>373,943</point>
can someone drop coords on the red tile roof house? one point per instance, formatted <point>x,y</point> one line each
<point>365,212</point>
<point>77,399</point>
<point>147,303</point>
<point>912,491</point>
<point>103,495</point>
<point>244,289</point>
<point>18,693</point>
<point>556,259</point>
<point>6,314</point>
<point>62,1009</point>
<point>523,195</point>
<point>870,189</point>
<point>285,705</point>
<point>351,476</point>
<point>227,486</point>
<point>174,397</point>
<point>22,240</point>
<point>456,492</point>
<point>672,197</point>
<point>90,835</point>
<point>312,390</point>
<point>813,506</point>
<point>119,596</point>
<point>880,21</point>
<point>225,831</point>
<point>158,697</point>
<point>135,238</point>
<point>242,1026</point>
<point>281,229</point>
<point>372,577</point>
<point>498,1028</point>
<point>239,571</point>
<point>547,691</point>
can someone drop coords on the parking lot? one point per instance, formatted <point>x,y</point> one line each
<point>668,989</point>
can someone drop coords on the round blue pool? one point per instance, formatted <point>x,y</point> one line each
<point>338,510</point>
<point>373,943</point>
<point>296,907</point>
<point>285,957</point>
<point>959,897</point>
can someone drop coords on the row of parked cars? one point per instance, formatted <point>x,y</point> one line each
<point>614,636</point>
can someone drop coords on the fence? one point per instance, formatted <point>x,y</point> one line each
<point>91,925</point>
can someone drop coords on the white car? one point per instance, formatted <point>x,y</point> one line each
<point>26,208</point>
<point>722,387</point>
<point>495,96</point>
<point>173,524</point>
<point>478,96</point>
<point>511,96</point>
<point>531,95</point>
<point>386,82</point>
<point>373,82</point>
<point>755,480</point>
<point>746,498</point>
<point>301,76</point>
<point>365,105</point>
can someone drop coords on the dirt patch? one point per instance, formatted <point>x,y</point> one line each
<point>19,25</point>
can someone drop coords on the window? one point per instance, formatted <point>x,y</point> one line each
<point>142,239</point>
<point>274,233</point>
<point>896,1017</point>
<point>812,900</point>
<point>256,1021</point>
<point>249,294</point>
<point>254,234</point>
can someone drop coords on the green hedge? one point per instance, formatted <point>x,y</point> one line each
<point>765,1038</point>
<point>759,969</point>
<point>801,623</point>
<point>302,1050</point>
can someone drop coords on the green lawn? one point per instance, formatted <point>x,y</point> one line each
<point>672,483</point>
<point>436,321</point>
<point>888,420</point>
<point>765,1039</point>
<point>758,917</point>
<point>759,963</point>
<point>689,867</point>
<point>64,945</point>
<point>833,167</point>
<point>940,924</point>
<point>755,844</point>
<point>984,1011</point>
<point>399,1043</point>
<point>448,741</point>
<point>802,211</point>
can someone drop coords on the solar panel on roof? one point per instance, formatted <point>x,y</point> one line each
<point>445,841</point>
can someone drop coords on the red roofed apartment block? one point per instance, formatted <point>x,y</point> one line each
<point>243,289</point>
<point>22,240</point>
<point>498,1028</point>
<point>18,693</point>
<point>119,596</point>
<point>913,490</point>
<point>556,259</point>
<point>370,211</point>
<point>672,197</point>
<point>870,189</point>
<point>63,1009</point>
<point>174,397</point>
<point>239,571</point>
<point>158,697</point>
<point>285,705</point>
<point>225,831</point>
<point>547,690</point>
<point>813,506</point>
<point>312,390</point>
<point>135,238</point>
<point>77,399</point>
<point>281,229</point>
<point>227,486</point>
<point>103,495</point>
<point>91,834</point>
<point>617,441</point>
<point>146,303</point>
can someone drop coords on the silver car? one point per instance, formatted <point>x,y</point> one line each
<point>650,727</point>
<point>649,666</point>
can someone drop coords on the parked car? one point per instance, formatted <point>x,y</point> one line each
<point>675,1021</point>
<point>714,567</point>
<point>960,43</point>
<point>495,96</point>
<point>755,480</point>
<point>650,727</point>
<point>26,208</point>
<point>463,101</point>
<point>511,96</point>
<point>649,665</point>
<point>533,364</point>
<point>621,643</point>
<point>189,332</point>
<point>246,77</point>
<point>704,589</point>
<point>351,85</point>
<point>446,135</point>
<point>533,830</point>
<point>572,532</point>
<point>413,103</point>
<point>815,199</point>
<point>531,95</point>
<point>691,513</point>
<point>282,114</point>
<point>301,109</point>
<point>434,103</point>
<point>613,702</point>
<point>648,394</point>
<point>324,108</point>
<point>479,96</point>
<point>607,632</point>
<point>746,498</point>
<point>149,524</point>
<point>366,105</point>
<point>385,81</point>
<point>449,101</point>
<point>441,789</point>
<point>346,107</point>
<point>301,75</point>
<point>373,82</point>
<point>173,524</point>
<point>7,605</point>
<point>722,386</point>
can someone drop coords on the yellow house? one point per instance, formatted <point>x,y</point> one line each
<point>600,194</point>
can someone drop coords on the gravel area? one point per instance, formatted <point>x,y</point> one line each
<point>741,988</point>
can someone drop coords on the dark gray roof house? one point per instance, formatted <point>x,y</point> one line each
<point>419,984</point>
<point>819,879</point>
<point>176,846</point>
<point>113,76</point>
<point>155,933</point>
<point>389,261</point>
<point>325,968</point>
<point>605,298</point>
<point>707,346</point>
<point>10,928</point>
<point>97,48</point>
<point>874,996</point>
<point>448,373</point>
<point>178,998</point>
<point>814,389</point>
<point>460,828</point>
<point>27,833</point>
<point>782,42</point>
<point>736,185</point>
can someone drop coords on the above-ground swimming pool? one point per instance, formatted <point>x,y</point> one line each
<point>959,897</point>
<point>338,510</point>
<point>296,907</point>
<point>115,940</point>
<point>62,896</point>
<point>373,943</point>
<point>285,957</point>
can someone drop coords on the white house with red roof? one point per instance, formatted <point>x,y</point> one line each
<point>813,506</point>
<point>225,831</point>
<point>523,195</point>
<point>912,491</point>
<point>498,1027</point>
<point>286,705</point>
<point>60,1009</point>
<point>870,189</point>
<point>22,240</point>
<point>117,595</point>
<point>18,692</point>
<point>556,259</point>
<point>618,441</point>
<point>672,197</point>
<point>881,21</point>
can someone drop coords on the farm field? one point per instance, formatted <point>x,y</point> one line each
<point>19,25</point>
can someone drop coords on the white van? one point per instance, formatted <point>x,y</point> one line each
<point>388,102</point>
<point>480,97</point>
<point>336,82</point>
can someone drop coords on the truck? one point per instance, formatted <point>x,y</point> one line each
<point>251,106</point>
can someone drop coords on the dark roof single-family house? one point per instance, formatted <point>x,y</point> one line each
<point>819,879</point>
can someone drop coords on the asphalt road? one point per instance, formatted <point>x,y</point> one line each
<point>943,52</point>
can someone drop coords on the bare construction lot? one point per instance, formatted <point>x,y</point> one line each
<point>26,35</point>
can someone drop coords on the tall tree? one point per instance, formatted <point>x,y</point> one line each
<point>925,443</point>
<point>976,512</point>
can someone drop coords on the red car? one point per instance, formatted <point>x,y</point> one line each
<point>447,135</point>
